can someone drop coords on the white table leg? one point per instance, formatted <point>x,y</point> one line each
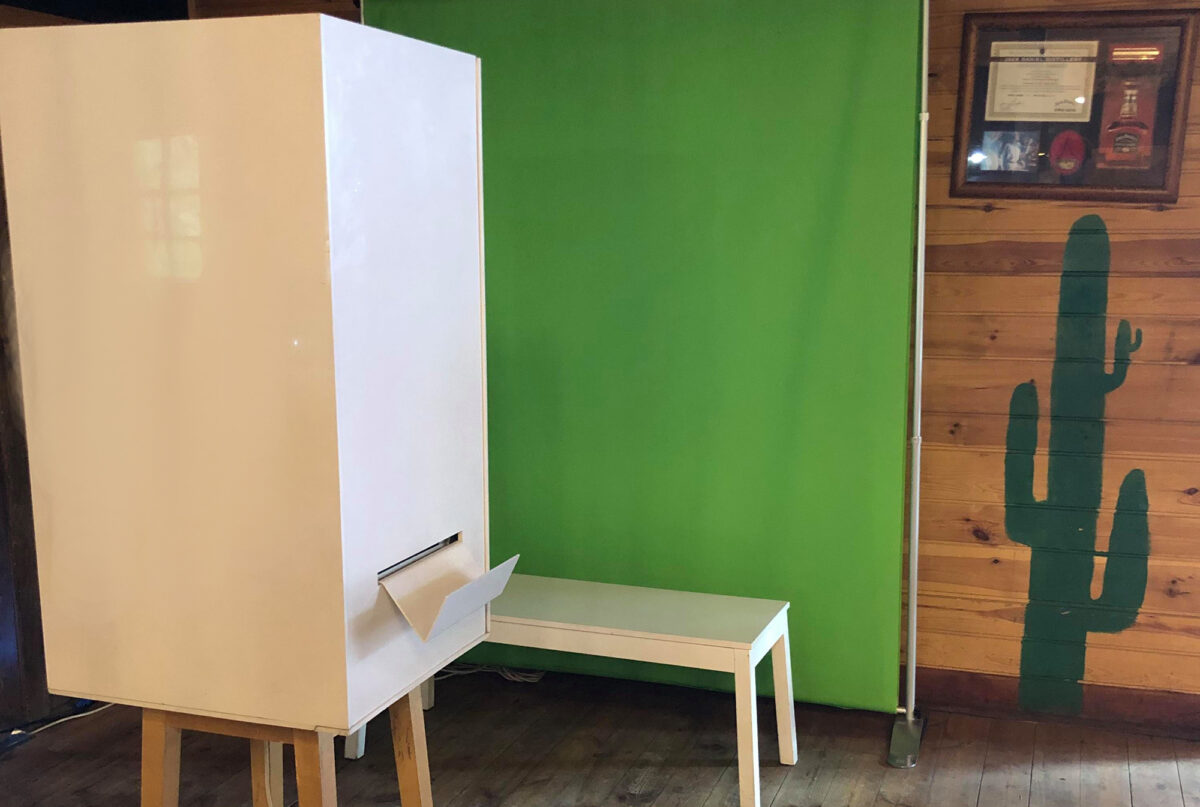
<point>785,709</point>
<point>356,744</point>
<point>747,730</point>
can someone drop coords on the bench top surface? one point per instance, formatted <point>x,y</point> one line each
<point>706,618</point>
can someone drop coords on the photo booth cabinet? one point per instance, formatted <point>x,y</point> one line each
<point>248,284</point>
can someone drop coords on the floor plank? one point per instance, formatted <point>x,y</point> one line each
<point>645,714</point>
<point>505,772</point>
<point>1104,769</point>
<point>1008,767</point>
<point>575,741</point>
<point>811,780</point>
<point>1055,781</point>
<point>863,761</point>
<point>454,768</point>
<point>545,784</point>
<point>813,746</point>
<point>961,755</point>
<point>1187,758</point>
<point>668,726</point>
<point>711,752</point>
<point>1153,772</point>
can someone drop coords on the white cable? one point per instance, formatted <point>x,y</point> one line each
<point>40,729</point>
<point>507,673</point>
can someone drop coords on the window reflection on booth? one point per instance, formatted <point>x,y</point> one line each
<point>168,174</point>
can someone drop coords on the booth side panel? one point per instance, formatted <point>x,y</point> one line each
<point>404,239</point>
<point>167,206</point>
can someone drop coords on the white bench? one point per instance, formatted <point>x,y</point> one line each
<point>681,628</point>
<point>685,629</point>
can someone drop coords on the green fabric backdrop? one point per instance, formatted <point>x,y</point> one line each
<point>699,256</point>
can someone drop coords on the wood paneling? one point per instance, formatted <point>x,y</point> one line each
<point>1136,438</point>
<point>1161,257</point>
<point>23,693</point>
<point>961,474</point>
<point>983,524</point>
<point>996,336</point>
<point>346,9</point>
<point>13,17</point>
<point>1172,587</point>
<point>992,300</point>
<point>1128,296</point>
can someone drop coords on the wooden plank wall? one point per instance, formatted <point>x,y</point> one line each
<point>13,17</point>
<point>23,694</point>
<point>346,9</point>
<point>992,294</point>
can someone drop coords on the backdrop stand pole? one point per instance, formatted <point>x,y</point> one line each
<point>910,724</point>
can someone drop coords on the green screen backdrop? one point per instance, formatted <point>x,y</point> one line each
<point>699,222</point>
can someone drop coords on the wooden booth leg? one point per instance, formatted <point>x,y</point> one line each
<point>747,730</point>
<point>266,773</point>
<point>356,741</point>
<point>785,709</point>
<point>315,778</point>
<point>314,759</point>
<point>160,760</point>
<point>412,754</point>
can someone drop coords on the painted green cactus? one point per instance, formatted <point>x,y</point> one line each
<point>1061,529</point>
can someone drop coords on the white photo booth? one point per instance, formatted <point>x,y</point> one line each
<point>248,275</point>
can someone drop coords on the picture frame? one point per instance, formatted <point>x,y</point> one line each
<point>1073,105</point>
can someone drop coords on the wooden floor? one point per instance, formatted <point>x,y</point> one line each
<point>571,741</point>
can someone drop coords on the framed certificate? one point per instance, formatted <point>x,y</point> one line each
<point>1073,105</point>
<point>1049,81</point>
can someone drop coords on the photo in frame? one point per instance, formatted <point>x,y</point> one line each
<point>1085,106</point>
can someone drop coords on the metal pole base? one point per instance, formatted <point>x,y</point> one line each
<point>906,740</point>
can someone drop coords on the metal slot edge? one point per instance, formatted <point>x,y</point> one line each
<point>424,553</point>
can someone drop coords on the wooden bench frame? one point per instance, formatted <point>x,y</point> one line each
<point>315,776</point>
<point>739,659</point>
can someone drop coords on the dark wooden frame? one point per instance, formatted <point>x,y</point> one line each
<point>23,694</point>
<point>1186,19</point>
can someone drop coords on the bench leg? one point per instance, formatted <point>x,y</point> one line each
<point>315,776</point>
<point>747,731</point>
<point>356,744</point>
<point>160,760</point>
<point>412,753</point>
<point>427,693</point>
<point>785,710</point>
<point>266,773</point>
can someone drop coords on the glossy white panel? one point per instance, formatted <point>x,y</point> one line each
<point>166,190</point>
<point>401,128</point>
<point>247,280</point>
